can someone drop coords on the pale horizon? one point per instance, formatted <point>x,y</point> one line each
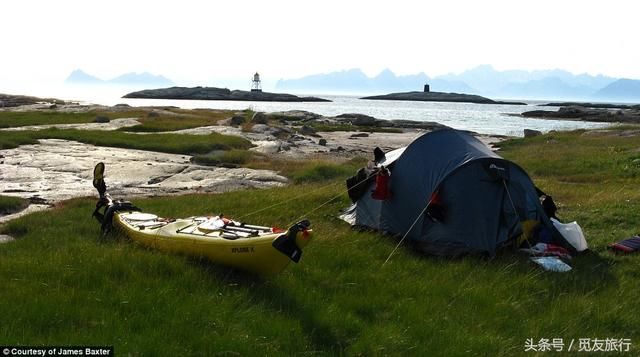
<point>198,42</point>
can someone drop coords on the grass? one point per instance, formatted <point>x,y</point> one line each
<point>321,172</point>
<point>178,119</point>
<point>61,285</point>
<point>16,119</point>
<point>166,119</point>
<point>310,170</point>
<point>10,204</point>
<point>165,142</point>
<point>230,158</point>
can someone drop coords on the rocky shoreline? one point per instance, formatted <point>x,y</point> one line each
<point>602,114</point>
<point>592,105</point>
<point>439,97</point>
<point>10,101</point>
<point>54,170</point>
<point>300,134</point>
<point>213,93</point>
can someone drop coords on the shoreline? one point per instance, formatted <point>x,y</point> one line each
<point>54,170</point>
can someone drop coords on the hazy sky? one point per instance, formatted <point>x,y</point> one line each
<point>197,41</point>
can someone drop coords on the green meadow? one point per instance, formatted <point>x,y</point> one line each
<point>62,285</point>
<point>178,119</point>
<point>10,119</point>
<point>160,142</point>
<point>151,119</point>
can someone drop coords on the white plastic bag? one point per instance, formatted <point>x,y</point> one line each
<point>572,233</point>
<point>552,264</point>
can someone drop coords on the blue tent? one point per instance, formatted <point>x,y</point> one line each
<point>485,198</point>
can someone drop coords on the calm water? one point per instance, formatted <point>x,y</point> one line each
<point>481,118</point>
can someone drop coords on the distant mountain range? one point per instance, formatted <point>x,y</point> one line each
<point>356,81</point>
<point>482,80</point>
<point>622,89</point>
<point>128,79</point>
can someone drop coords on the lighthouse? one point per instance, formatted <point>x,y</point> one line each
<point>256,86</point>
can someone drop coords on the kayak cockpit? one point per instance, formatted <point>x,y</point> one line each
<point>210,227</point>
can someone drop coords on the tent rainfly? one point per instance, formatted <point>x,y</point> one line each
<point>482,199</point>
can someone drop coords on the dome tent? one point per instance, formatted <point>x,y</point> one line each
<point>485,198</point>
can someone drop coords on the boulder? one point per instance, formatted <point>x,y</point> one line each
<point>358,119</point>
<point>322,142</point>
<point>259,118</point>
<point>101,119</point>
<point>307,130</point>
<point>237,120</point>
<point>260,128</point>
<point>286,146</point>
<point>293,115</point>
<point>530,133</point>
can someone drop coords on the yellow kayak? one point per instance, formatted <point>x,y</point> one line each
<point>257,249</point>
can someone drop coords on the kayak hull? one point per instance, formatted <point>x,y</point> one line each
<point>255,253</point>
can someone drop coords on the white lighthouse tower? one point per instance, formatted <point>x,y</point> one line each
<point>256,86</point>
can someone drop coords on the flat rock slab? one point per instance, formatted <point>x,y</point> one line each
<point>56,170</point>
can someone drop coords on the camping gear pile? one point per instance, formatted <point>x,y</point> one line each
<point>257,249</point>
<point>450,194</point>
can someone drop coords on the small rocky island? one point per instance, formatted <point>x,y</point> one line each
<point>213,93</point>
<point>9,100</point>
<point>428,96</point>
<point>603,114</point>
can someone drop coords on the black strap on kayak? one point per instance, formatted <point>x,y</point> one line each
<point>286,243</point>
<point>107,218</point>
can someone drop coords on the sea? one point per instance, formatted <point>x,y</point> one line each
<point>481,118</point>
